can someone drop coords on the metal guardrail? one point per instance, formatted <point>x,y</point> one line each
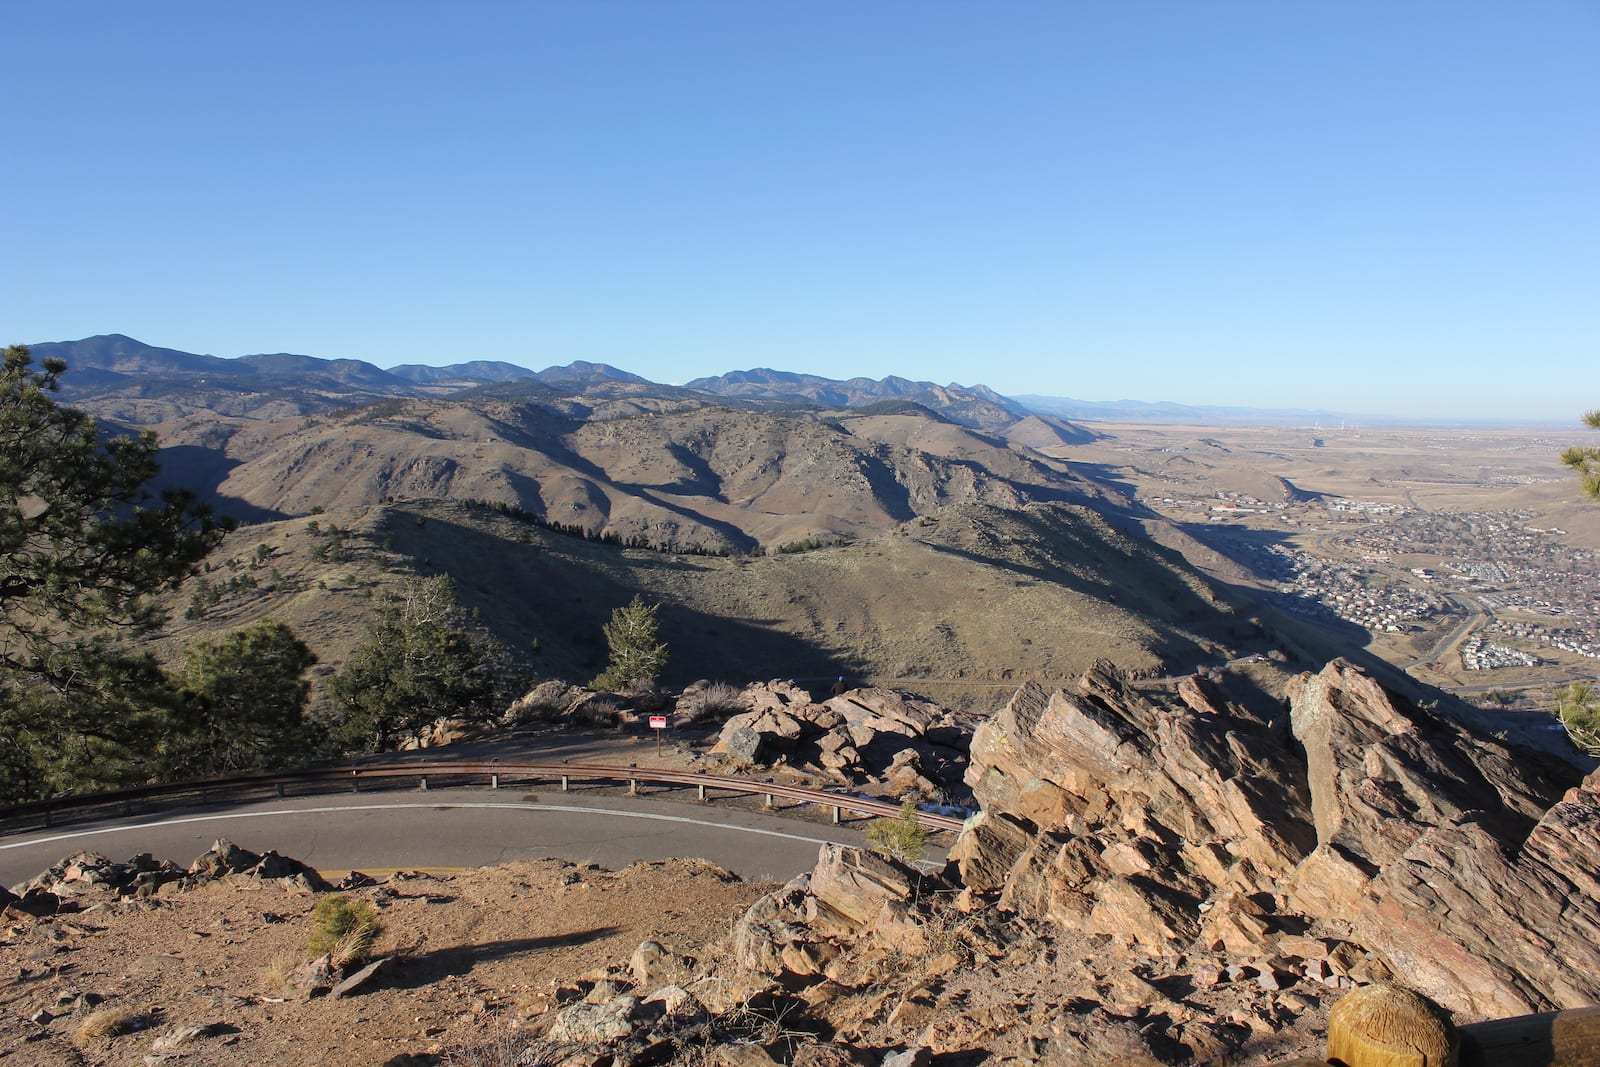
<point>495,771</point>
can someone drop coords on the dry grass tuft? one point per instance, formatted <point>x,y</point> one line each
<point>107,1023</point>
<point>278,976</point>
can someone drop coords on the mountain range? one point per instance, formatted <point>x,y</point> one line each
<point>121,378</point>
<point>787,524</point>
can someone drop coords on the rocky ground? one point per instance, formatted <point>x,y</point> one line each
<point>862,960</point>
<point>473,953</point>
<point>1168,874</point>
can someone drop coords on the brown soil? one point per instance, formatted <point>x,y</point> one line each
<point>474,951</point>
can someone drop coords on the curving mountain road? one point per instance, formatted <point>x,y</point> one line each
<point>447,828</point>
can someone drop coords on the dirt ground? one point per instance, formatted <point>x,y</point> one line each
<point>474,951</point>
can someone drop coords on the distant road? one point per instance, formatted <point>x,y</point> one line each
<point>447,828</point>
<point>1476,616</point>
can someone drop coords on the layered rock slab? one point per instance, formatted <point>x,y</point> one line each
<point>1187,823</point>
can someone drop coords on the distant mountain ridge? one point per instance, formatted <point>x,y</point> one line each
<point>976,406</point>
<point>120,377</point>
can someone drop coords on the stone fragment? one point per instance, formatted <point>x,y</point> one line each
<point>586,1023</point>
<point>916,1056</point>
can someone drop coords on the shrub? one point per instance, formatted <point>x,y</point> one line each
<point>343,928</point>
<point>1578,708</point>
<point>711,700</point>
<point>902,837</point>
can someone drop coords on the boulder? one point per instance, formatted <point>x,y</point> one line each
<point>677,1002</point>
<point>360,979</point>
<point>888,710</point>
<point>652,966</point>
<point>770,925</point>
<point>740,743</point>
<point>225,859</point>
<point>550,699</point>
<point>853,885</point>
<point>595,1024</point>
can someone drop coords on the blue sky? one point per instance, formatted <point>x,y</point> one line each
<point>1361,206</point>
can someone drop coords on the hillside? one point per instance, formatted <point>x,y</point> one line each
<point>900,531</point>
<point>961,605</point>
<point>676,473</point>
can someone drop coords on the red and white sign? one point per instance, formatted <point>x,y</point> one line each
<point>658,722</point>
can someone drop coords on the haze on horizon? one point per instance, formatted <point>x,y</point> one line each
<point>1362,208</point>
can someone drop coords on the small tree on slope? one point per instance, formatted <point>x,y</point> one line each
<point>637,654</point>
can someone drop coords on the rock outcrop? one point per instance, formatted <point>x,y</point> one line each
<point>908,746</point>
<point>90,876</point>
<point>1358,835</point>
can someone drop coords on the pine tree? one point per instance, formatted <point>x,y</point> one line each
<point>418,663</point>
<point>242,703</point>
<point>637,654</point>
<point>83,544</point>
<point>1586,461</point>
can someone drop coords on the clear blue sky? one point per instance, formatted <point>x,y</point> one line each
<point>1362,206</point>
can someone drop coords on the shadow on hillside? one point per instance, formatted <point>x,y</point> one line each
<point>549,597</point>
<point>1111,477</point>
<point>202,471</point>
<point>413,972</point>
<point>1249,548</point>
<point>704,483</point>
<point>1060,546</point>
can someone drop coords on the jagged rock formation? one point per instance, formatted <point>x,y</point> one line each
<point>911,746</point>
<point>1399,841</point>
<point>1171,875</point>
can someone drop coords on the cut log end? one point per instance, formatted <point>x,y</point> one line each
<point>1389,1026</point>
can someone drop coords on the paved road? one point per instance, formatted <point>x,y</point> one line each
<point>447,828</point>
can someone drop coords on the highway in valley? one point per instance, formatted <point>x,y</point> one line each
<point>443,828</point>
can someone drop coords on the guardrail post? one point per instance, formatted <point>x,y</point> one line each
<point>1569,1038</point>
<point>280,789</point>
<point>701,787</point>
<point>633,787</point>
<point>494,781</point>
<point>422,783</point>
<point>836,815</point>
<point>355,782</point>
<point>563,783</point>
<point>769,805</point>
<point>47,816</point>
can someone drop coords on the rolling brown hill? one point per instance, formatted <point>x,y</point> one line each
<point>675,473</point>
<point>961,605</point>
<point>889,541</point>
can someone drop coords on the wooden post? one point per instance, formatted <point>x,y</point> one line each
<point>494,781</point>
<point>1389,1026</point>
<point>633,787</point>
<point>563,783</point>
<point>701,787</point>
<point>1550,1039</point>
<point>836,815</point>
<point>769,805</point>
